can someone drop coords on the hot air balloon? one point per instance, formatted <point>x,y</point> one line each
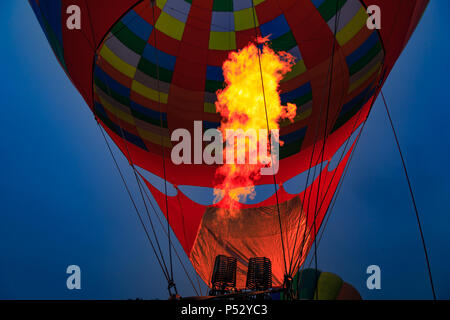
<point>147,68</point>
<point>312,284</point>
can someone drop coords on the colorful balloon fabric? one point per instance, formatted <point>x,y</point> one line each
<point>147,70</point>
<point>312,284</point>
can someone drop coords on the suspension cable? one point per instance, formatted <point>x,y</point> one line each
<point>412,195</point>
<point>275,185</point>
<point>171,283</point>
<point>329,79</point>
<point>341,182</point>
<point>133,202</point>
<point>163,228</point>
<point>346,168</point>
<point>161,261</point>
<point>148,213</point>
<point>351,156</point>
<point>316,212</point>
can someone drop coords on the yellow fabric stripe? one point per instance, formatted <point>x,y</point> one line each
<point>117,63</point>
<point>161,3</point>
<point>170,26</point>
<point>353,27</point>
<point>245,19</point>
<point>154,138</point>
<point>328,286</point>
<point>297,69</point>
<point>256,2</point>
<point>149,92</point>
<point>209,107</point>
<point>222,40</point>
<point>118,113</point>
<point>361,80</point>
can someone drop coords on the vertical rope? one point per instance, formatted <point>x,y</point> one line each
<point>412,196</point>
<point>275,185</point>
<point>164,270</point>
<point>169,277</point>
<point>316,211</point>
<point>171,284</point>
<point>329,79</point>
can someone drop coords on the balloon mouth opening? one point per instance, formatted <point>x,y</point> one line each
<point>250,232</point>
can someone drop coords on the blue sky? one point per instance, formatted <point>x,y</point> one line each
<point>62,201</point>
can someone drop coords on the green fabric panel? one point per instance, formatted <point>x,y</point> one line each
<point>212,85</point>
<point>284,43</point>
<point>143,117</point>
<point>128,38</point>
<point>361,63</point>
<point>119,98</point>
<point>155,72</point>
<point>302,100</point>
<point>328,8</point>
<point>349,114</point>
<point>291,148</point>
<point>328,286</point>
<point>111,125</point>
<point>295,284</point>
<point>54,43</point>
<point>117,27</point>
<point>210,108</point>
<point>223,5</point>
<point>307,282</point>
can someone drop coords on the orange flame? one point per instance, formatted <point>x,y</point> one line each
<point>244,105</point>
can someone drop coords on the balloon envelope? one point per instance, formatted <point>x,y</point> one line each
<point>145,71</point>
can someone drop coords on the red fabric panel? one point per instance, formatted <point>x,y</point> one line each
<point>267,11</point>
<point>80,45</point>
<point>164,42</point>
<point>398,20</point>
<point>348,292</point>
<point>117,75</point>
<point>314,37</point>
<point>243,38</point>
<point>148,13</point>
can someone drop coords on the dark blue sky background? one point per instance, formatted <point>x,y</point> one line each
<point>62,201</point>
